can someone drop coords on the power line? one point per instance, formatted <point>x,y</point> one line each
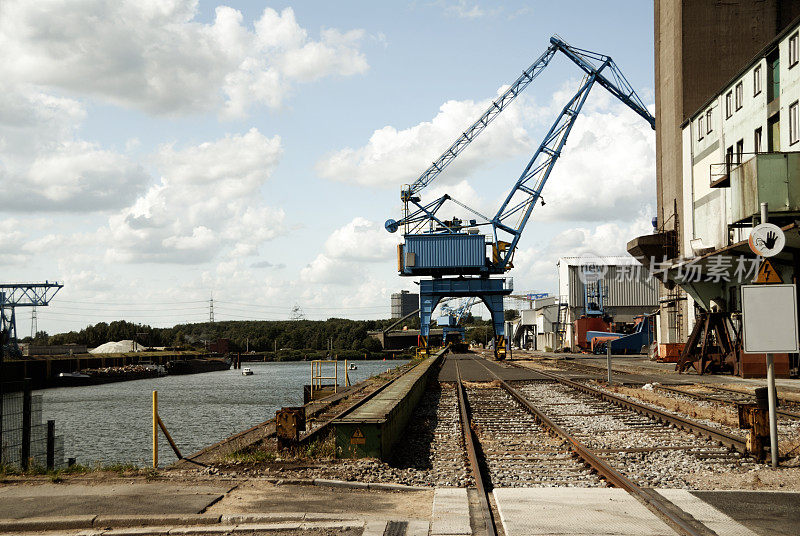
<point>130,303</point>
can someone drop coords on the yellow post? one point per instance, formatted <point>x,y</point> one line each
<point>155,429</point>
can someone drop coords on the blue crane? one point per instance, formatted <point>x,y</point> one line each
<point>450,320</point>
<point>13,295</point>
<point>442,248</point>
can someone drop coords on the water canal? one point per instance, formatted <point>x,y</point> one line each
<point>111,423</point>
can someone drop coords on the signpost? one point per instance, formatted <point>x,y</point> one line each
<point>769,314</point>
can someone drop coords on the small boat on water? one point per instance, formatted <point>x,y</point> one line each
<point>247,371</point>
<point>74,378</point>
<point>352,366</point>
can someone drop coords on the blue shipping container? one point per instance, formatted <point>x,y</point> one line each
<point>446,251</point>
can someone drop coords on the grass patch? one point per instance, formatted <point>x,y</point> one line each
<point>321,448</point>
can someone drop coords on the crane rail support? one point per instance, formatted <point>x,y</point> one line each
<point>656,504</point>
<point>472,455</point>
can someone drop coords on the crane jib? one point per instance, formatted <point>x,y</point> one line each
<point>527,190</point>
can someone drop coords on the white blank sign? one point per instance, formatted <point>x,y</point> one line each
<point>769,315</point>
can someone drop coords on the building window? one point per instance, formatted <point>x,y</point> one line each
<point>773,76</point>
<point>739,151</point>
<point>793,126</point>
<point>728,105</point>
<point>708,122</point>
<point>739,95</point>
<point>757,80</point>
<point>728,159</point>
<point>793,56</point>
<point>757,140</point>
<point>700,128</point>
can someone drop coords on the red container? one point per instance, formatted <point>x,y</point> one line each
<point>588,323</point>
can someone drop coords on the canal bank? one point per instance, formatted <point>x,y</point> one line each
<point>44,371</point>
<point>111,423</point>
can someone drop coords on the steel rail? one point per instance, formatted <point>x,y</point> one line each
<point>472,456</point>
<point>731,441</point>
<point>714,398</point>
<point>658,505</point>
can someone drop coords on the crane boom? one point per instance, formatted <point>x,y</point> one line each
<point>477,127</point>
<point>617,85</point>
<point>522,198</point>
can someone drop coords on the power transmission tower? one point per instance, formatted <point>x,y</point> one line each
<point>34,323</point>
<point>211,309</point>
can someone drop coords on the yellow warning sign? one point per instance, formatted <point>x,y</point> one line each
<point>357,438</point>
<point>767,273</point>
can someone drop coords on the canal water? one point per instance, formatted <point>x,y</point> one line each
<point>111,423</point>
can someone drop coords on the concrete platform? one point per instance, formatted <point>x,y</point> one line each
<point>597,512</point>
<point>372,429</point>
<point>473,369</point>
<point>18,502</point>
<point>450,512</point>
<point>741,513</point>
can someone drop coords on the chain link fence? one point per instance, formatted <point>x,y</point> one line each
<point>24,436</point>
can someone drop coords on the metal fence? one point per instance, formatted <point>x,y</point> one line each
<point>24,439</point>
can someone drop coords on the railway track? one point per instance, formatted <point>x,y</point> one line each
<point>571,437</point>
<point>721,395</point>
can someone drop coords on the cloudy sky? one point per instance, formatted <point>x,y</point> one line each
<point>155,152</point>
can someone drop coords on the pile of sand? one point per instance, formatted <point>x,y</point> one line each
<point>118,347</point>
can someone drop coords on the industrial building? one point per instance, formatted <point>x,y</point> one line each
<point>699,47</point>
<point>727,94</point>
<point>404,303</point>
<point>614,290</point>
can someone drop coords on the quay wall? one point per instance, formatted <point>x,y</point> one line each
<point>43,371</point>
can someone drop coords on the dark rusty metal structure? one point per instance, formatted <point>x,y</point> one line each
<point>289,422</point>
<point>710,348</point>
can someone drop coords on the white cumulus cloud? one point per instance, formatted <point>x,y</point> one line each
<point>49,167</point>
<point>208,200</point>
<point>392,157</point>
<point>158,57</point>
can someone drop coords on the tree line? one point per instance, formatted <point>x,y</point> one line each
<point>252,335</point>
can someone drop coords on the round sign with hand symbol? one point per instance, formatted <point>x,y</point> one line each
<point>767,240</point>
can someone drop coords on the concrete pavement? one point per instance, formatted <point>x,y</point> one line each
<point>255,506</point>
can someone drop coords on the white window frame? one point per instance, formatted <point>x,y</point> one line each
<point>794,131</point>
<point>709,122</point>
<point>757,80</point>
<point>728,104</point>
<point>700,128</point>
<point>739,95</point>
<point>793,52</point>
